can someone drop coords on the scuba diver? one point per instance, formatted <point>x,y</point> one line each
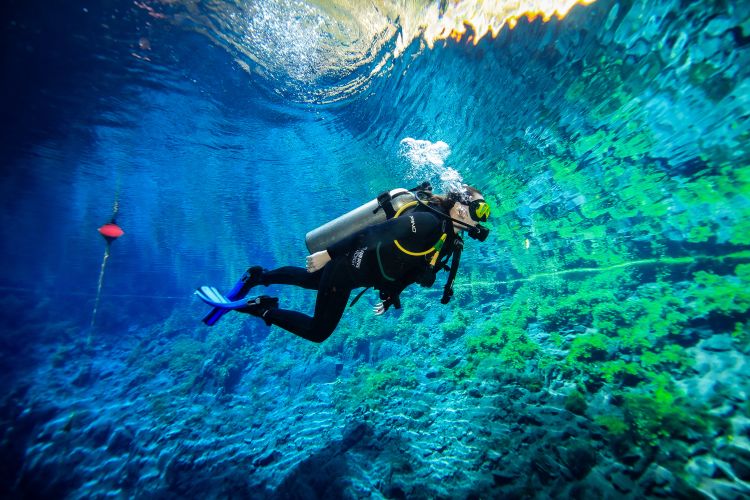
<point>402,237</point>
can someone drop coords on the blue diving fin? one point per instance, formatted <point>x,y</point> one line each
<point>237,292</point>
<point>218,311</point>
<point>213,297</point>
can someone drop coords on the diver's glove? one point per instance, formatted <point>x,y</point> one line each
<point>426,278</point>
<point>385,304</point>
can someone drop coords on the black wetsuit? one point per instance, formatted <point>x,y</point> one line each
<point>367,258</point>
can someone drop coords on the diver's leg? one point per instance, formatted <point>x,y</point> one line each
<point>291,275</point>
<point>329,308</point>
<point>333,296</point>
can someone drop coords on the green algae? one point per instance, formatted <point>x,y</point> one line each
<point>575,402</point>
<point>371,386</point>
<point>632,336</point>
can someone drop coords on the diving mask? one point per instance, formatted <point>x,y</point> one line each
<point>479,210</point>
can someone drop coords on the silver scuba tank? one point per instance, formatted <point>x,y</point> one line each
<point>369,214</point>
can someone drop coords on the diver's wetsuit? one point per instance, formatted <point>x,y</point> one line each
<point>367,258</point>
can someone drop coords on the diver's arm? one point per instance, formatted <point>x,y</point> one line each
<point>342,247</point>
<point>390,297</point>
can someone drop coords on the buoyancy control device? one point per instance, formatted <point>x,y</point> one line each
<point>379,210</point>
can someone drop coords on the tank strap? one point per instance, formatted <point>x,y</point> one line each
<point>384,202</point>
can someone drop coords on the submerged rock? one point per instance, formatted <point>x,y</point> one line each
<point>505,477</point>
<point>704,466</point>
<point>718,343</point>
<point>579,457</point>
<point>120,440</point>
<point>737,455</point>
<point>623,483</point>
<point>267,459</point>
<point>546,467</point>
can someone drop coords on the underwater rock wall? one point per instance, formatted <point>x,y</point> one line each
<point>429,404</point>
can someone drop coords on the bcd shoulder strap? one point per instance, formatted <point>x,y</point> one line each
<point>385,199</point>
<point>384,202</point>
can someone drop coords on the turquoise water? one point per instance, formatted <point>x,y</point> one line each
<point>598,340</point>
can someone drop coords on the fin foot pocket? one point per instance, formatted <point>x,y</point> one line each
<point>259,306</point>
<point>252,277</point>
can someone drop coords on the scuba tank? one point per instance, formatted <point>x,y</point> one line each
<point>379,210</point>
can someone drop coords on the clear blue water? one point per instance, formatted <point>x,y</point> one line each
<point>613,138</point>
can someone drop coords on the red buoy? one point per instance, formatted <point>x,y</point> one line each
<point>111,231</point>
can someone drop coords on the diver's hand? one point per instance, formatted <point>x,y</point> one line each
<point>317,261</point>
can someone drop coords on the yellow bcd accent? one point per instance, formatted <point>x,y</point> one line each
<point>414,254</point>
<point>435,248</point>
<point>438,246</point>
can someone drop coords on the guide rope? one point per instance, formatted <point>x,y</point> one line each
<point>109,239</point>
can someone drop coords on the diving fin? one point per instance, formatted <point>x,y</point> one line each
<point>213,297</point>
<point>249,279</point>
